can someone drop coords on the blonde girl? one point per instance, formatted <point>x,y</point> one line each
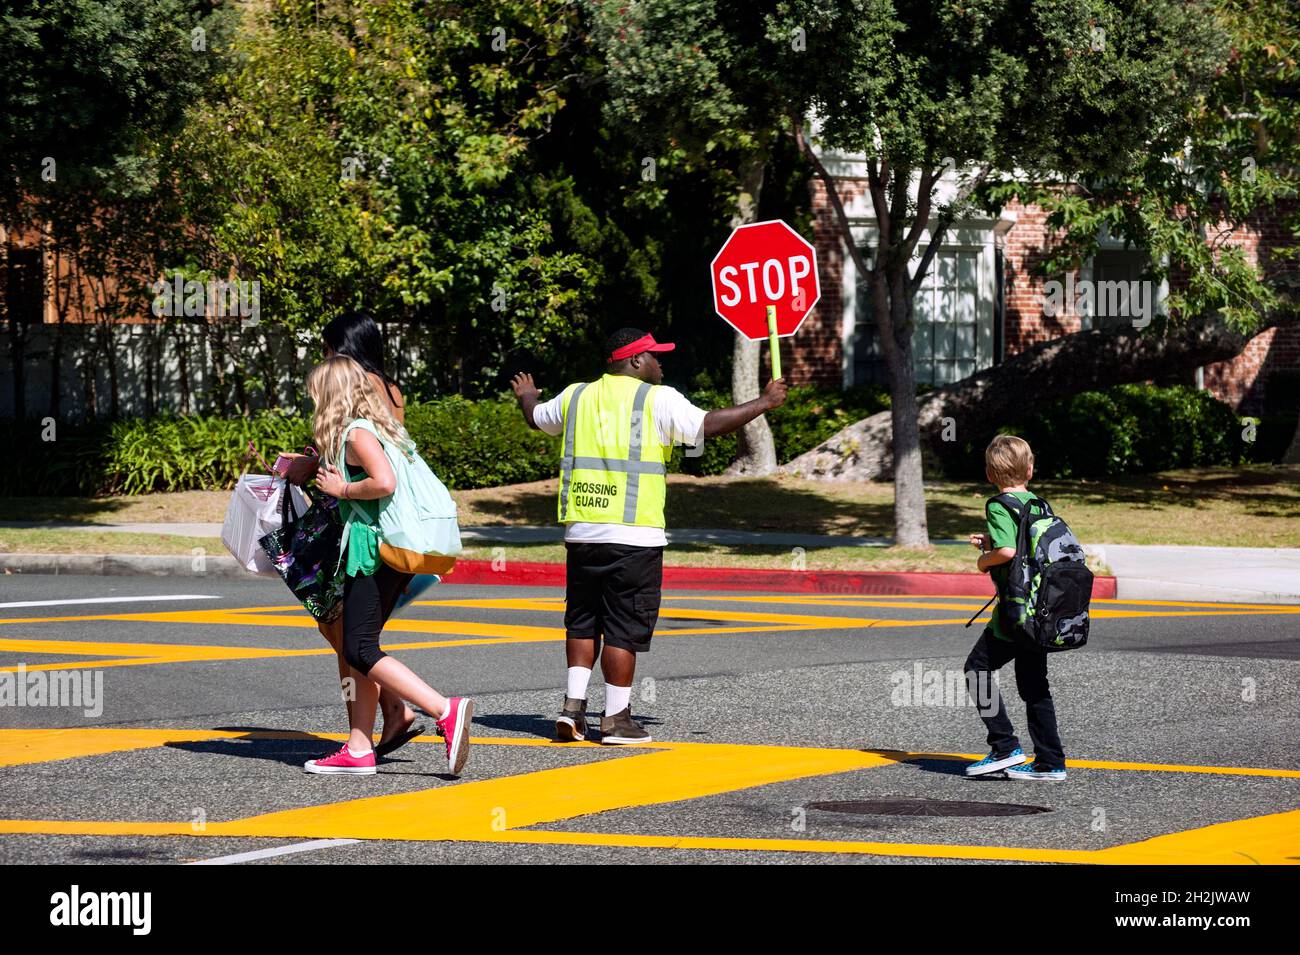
<point>360,473</point>
<point>356,335</point>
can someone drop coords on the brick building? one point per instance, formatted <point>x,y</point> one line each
<point>982,303</point>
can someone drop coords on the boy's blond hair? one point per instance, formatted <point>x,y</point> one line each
<point>1008,460</point>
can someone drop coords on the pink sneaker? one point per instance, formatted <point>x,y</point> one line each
<point>455,731</point>
<point>342,763</point>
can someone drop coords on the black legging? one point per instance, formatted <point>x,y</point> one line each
<point>367,604</point>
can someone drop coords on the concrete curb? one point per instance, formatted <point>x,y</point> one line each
<point>122,565</point>
<point>528,574</point>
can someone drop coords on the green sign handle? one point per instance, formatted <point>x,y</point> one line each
<point>771,338</point>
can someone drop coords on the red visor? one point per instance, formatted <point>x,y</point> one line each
<point>643,344</point>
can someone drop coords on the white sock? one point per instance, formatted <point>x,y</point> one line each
<point>616,698</point>
<point>355,755</point>
<point>579,677</point>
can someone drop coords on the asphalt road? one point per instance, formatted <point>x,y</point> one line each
<point>1177,719</point>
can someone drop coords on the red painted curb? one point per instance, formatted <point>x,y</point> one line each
<point>524,574</point>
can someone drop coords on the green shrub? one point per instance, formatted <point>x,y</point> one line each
<point>189,452</point>
<point>472,444</point>
<point>71,463</point>
<point>486,443</point>
<point>1131,429</point>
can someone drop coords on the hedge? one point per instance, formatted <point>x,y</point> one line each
<point>467,443</point>
<point>471,444</point>
<point>1128,429</point>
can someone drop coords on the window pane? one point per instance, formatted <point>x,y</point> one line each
<point>965,311</point>
<point>984,353</point>
<point>923,306</point>
<point>944,344</point>
<point>947,312</point>
<point>965,341</point>
<point>922,341</point>
<point>946,265</point>
<point>968,270</point>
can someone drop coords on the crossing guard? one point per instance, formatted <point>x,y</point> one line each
<point>619,432</point>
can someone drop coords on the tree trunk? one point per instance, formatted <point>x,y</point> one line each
<point>756,451</point>
<point>109,351</point>
<point>911,528</point>
<point>17,355</point>
<point>182,364</point>
<point>1292,455</point>
<point>1051,370</point>
<point>53,252</point>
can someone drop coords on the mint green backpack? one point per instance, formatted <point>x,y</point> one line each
<point>417,522</point>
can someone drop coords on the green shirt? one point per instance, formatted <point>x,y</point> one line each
<point>1002,530</point>
<point>363,538</point>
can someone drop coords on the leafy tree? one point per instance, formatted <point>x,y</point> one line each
<point>87,86</point>
<point>927,88</point>
<point>692,80</point>
<point>376,155</point>
<point>1214,146</point>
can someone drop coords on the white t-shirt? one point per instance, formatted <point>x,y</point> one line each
<point>677,421</point>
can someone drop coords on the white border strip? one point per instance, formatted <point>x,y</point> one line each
<point>107,600</point>
<point>277,851</point>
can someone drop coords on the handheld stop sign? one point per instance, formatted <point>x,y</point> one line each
<point>765,283</point>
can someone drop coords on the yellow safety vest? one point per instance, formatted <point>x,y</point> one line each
<point>614,469</point>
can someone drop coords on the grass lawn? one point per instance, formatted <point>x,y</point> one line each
<point>1255,506</point>
<point>24,541</point>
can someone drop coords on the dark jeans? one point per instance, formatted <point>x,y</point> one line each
<point>368,602</point>
<point>990,655</point>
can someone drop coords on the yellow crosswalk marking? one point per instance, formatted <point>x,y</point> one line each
<point>503,809</point>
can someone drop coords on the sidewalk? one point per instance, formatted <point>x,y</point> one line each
<point>1143,572</point>
<point>1247,574</point>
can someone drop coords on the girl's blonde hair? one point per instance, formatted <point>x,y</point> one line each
<point>343,392</point>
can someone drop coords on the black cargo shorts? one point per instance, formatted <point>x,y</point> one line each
<point>613,592</point>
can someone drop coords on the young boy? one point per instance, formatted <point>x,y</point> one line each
<point>1009,466</point>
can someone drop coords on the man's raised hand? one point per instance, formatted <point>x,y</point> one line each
<point>522,384</point>
<point>774,394</point>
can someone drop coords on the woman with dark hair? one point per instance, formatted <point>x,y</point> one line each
<point>356,335</point>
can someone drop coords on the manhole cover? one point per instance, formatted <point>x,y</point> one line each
<point>927,807</point>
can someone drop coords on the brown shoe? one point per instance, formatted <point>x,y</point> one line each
<point>621,728</point>
<point>571,725</point>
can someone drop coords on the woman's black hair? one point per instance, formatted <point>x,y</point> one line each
<point>356,335</point>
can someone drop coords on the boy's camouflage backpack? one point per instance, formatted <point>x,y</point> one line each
<point>1048,584</point>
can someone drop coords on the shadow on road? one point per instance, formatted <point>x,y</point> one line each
<point>940,763</point>
<point>534,724</point>
<point>281,746</point>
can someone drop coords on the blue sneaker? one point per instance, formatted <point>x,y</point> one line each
<point>1033,772</point>
<point>992,763</point>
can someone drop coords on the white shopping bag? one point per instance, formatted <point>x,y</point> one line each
<point>253,513</point>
